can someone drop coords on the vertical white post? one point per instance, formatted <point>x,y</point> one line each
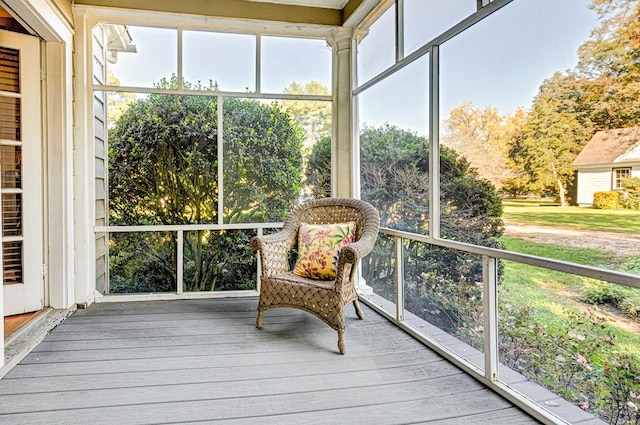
<point>399,30</point>
<point>258,63</point>
<point>179,70</point>
<point>180,262</point>
<point>490,305</point>
<point>355,113</point>
<point>220,130</point>
<point>399,271</point>
<point>259,264</point>
<point>434,143</point>
<point>343,173</point>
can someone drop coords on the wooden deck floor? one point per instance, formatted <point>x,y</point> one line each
<point>203,361</point>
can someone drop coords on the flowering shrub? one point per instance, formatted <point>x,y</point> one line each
<point>579,360</point>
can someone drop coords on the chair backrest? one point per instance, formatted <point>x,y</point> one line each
<point>336,210</point>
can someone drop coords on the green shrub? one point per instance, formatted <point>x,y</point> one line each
<point>606,200</point>
<point>631,188</point>
<point>603,293</point>
<point>626,299</point>
<point>630,306</point>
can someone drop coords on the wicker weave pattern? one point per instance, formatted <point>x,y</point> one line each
<point>324,299</point>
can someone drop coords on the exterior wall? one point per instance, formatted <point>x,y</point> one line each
<point>591,181</point>
<point>100,155</point>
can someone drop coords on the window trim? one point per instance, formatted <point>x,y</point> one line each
<point>616,180</point>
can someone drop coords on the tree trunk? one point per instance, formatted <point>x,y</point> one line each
<point>561,190</point>
<point>563,198</point>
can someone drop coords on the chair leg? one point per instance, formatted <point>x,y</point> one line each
<point>359,312</point>
<point>342,347</point>
<point>259,319</point>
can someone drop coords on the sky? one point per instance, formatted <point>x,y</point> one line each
<point>498,62</point>
<point>228,59</point>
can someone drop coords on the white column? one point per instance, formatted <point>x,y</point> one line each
<point>343,152</point>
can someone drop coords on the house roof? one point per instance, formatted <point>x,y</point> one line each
<point>609,147</point>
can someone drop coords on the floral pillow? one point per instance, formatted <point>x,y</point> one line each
<point>319,247</point>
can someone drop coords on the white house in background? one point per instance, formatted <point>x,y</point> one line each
<point>609,157</point>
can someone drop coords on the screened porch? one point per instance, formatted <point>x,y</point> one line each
<point>197,126</point>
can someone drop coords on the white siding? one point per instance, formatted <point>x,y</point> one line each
<point>633,154</point>
<point>100,148</point>
<point>591,181</point>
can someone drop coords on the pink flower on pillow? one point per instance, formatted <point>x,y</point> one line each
<point>319,247</point>
<point>305,236</point>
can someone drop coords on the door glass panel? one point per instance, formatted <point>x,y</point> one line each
<point>12,262</point>
<point>9,70</point>
<point>11,214</point>
<point>9,118</point>
<point>10,164</point>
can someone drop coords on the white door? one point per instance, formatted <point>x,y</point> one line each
<point>21,173</point>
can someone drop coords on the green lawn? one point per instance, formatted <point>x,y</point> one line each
<point>553,295</point>
<point>551,214</point>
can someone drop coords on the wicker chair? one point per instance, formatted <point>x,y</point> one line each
<point>325,299</point>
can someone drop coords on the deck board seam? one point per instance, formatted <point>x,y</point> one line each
<point>253,397</point>
<point>226,381</point>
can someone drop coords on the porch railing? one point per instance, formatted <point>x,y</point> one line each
<point>180,230</point>
<point>484,365</point>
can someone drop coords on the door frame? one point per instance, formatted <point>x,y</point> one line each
<point>54,24</point>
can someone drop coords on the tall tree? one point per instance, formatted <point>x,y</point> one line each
<point>482,136</point>
<point>614,47</point>
<point>314,116</point>
<point>611,59</point>
<point>553,133</point>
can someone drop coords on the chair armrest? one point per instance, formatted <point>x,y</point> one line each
<point>349,256</point>
<point>273,251</point>
<point>353,252</point>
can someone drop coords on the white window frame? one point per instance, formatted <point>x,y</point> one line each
<point>617,177</point>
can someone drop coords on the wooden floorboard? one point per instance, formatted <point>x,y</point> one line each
<point>13,324</point>
<point>203,361</point>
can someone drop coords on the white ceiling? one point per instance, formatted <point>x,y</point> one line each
<point>329,4</point>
